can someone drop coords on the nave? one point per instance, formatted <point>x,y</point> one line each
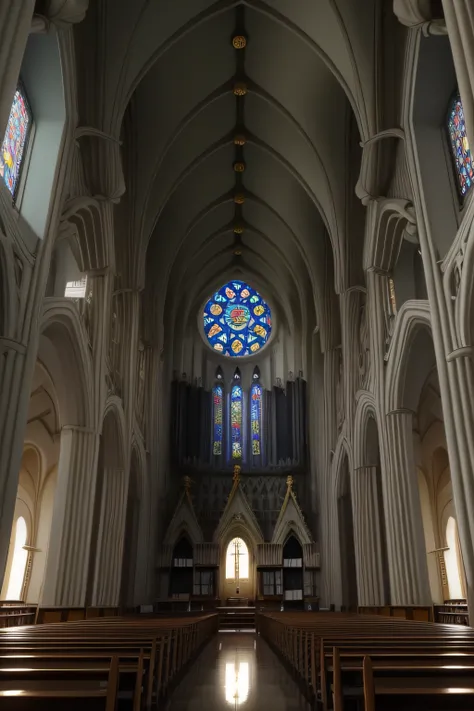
<point>237,671</point>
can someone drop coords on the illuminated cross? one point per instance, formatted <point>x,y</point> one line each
<point>237,555</point>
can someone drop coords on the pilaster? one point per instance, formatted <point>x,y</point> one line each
<point>405,538</point>
<point>110,538</point>
<point>367,536</point>
<point>67,566</point>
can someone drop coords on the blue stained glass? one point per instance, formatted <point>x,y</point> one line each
<point>256,418</point>
<point>236,421</point>
<point>460,146</point>
<point>237,321</point>
<point>218,411</point>
<point>14,143</point>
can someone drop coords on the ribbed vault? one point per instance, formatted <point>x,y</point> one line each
<point>189,105</point>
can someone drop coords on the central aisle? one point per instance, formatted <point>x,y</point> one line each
<point>237,671</point>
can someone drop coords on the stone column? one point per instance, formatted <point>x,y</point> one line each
<point>110,538</point>
<point>405,537</point>
<point>367,536</point>
<point>67,566</point>
<point>459,15</point>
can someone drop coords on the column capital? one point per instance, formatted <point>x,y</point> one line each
<point>12,345</point>
<point>401,411</point>
<point>79,429</point>
<point>463,352</point>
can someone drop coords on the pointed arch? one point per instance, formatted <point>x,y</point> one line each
<point>236,416</point>
<point>218,399</point>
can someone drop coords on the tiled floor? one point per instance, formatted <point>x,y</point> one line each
<point>237,671</point>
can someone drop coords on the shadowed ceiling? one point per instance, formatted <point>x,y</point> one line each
<point>236,158</point>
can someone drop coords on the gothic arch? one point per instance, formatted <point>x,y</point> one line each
<point>72,374</point>
<point>365,409</point>
<point>413,316</point>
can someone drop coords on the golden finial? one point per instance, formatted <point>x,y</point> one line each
<point>239,198</point>
<point>238,229</point>
<point>239,167</point>
<point>187,484</point>
<point>237,470</point>
<point>289,481</point>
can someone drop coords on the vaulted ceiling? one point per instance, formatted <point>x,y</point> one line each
<point>236,158</point>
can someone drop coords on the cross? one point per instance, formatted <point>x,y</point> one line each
<point>237,555</point>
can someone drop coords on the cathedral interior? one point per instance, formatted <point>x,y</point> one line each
<point>236,305</point>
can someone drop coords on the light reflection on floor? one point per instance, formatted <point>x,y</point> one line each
<point>237,671</point>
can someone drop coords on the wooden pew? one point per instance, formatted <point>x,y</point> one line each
<point>164,645</point>
<point>69,684</point>
<point>437,687</point>
<point>306,641</point>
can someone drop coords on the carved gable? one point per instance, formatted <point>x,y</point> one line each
<point>238,514</point>
<point>291,519</point>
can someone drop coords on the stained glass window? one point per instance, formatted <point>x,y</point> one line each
<point>237,321</point>
<point>218,395</point>
<point>460,146</point>
<point>15,141</point>
<point>256,417</point>
<point>236,421</point>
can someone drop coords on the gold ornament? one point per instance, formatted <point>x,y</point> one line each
<point>238,229</point>
<point>240,88</point>
<point>240,139</point>
<point>239,167</point>
<point>238,252</point>
<point>239,42</point>
<point>289,481</point>
<point>237,471</point>
<point>239,199</point>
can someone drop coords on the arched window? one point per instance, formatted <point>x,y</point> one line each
<point>236,417</point>
<point>459,143</point>
<point>451,559</point>
<point>256,418</point>
<point>237,560</point>
<point>17,572</point>
<point>237,320</point>
<point>15,141</point>
<point>217,397</point>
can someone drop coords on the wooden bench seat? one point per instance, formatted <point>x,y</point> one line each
<point>416,652</point>
<point>149,652</point>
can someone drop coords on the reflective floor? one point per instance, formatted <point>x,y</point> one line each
<point>237,671</point>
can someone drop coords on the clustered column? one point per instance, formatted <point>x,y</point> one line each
<point>367,536</point>
<point>409,579</point>
<point>110,538</point>
<point>67,566</point>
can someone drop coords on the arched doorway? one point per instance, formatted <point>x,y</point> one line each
<point>182,570</point>
<point>436,494</point>
<point>293,580</point>
<point>36,490</point>
<point>237,568</point>
<point>16,577</point>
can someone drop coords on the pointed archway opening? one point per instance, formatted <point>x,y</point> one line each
<point>293,582</point>
<point>181,574</point>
